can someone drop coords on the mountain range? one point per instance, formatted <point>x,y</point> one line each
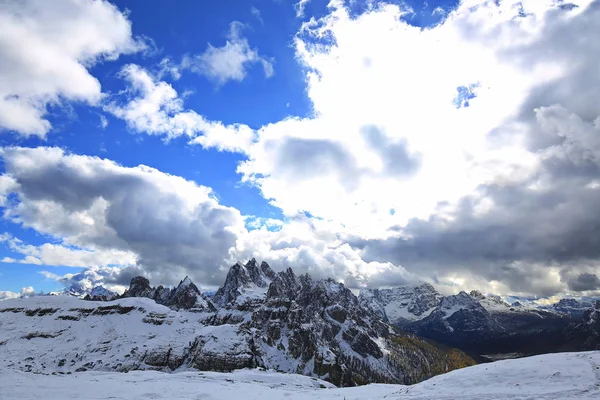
<point>288,323</point>
<point>258,318</point>
<point>486,327</point>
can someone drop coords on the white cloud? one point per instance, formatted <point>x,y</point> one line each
<point>154,107</point>
<point>230,62</point>
<point>166,67</point>
<point>26,291</point>
<point>45,50</point>
<point>319,248</point>
<point>300,8</point>
<point>256,13</point>
<point>103,122</point>
<point>387,153</point>
<point>7,295</point>
<point>60,255</point>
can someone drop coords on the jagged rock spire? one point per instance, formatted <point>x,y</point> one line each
<point>139,287</point>
<point>248,278</point>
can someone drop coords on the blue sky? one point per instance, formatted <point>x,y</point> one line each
<point>299,107</point>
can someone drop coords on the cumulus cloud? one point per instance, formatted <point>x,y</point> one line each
<point>46,49</point>
<point>7,295</point>
<point>61,255</point>
<point>584,282</point>
<point>229,62</point>
<point>154,107</point>
<point>168,224</point>
<point>319,248</point>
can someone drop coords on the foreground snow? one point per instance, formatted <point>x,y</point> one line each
<point>553,376</point>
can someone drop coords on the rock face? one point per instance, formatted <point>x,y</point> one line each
<point>320,326</point>
<point>259,318</point>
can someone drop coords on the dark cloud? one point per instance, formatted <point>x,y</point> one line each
<point>558,224</point>
<point>567,41</point>
<point>584,282</point>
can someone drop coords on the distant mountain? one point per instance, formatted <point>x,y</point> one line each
<point>258,318</point>
<point>587,330</point>
<point>185,296</point>
<point>484,325</point>
<point>570,307</point>
<point>401,305</point>
<point>100,293</point>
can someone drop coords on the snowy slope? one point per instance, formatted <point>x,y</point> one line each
<point>549,377</point>
<point>63,333</point>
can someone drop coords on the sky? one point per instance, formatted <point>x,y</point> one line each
<point>380,143</point>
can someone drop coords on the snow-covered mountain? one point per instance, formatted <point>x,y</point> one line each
<point>566,376</point>
<point>99,293</point>
<point>403,304</point>
<point>258,318</point>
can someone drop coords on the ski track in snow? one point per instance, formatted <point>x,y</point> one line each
<point>549,377</point>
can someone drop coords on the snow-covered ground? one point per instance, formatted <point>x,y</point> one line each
<point>551,377</point>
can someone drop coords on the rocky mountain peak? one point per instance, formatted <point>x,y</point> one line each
<point>187,296</point>
<point>458,301</point>
<point>256,274</point>
<point>139,287</point>
<point>100,293</point>
<point>248,279</point>
<point>476,294</point>
<point>267,271</point>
